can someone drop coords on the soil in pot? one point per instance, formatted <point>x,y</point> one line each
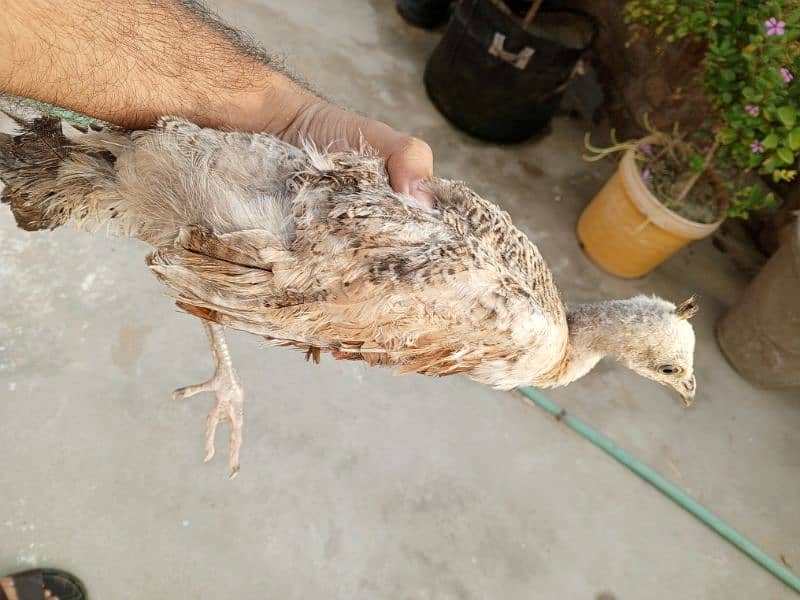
<point>500,81</point>
<point>665,179</point>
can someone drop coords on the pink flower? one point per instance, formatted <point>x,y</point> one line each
<point>751,110</point>
<point>646,174</point>
<point>786,74</point>
<point>646,149</point>
<point>774,27</point>
<point>757,147</point>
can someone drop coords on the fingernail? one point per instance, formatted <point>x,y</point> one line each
<point>415,189</point>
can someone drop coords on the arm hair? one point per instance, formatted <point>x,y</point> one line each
<point>132,61</point>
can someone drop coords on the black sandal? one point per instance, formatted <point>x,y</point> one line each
<point>30,585</point>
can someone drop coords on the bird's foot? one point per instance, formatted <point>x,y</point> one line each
<point>228,406</point>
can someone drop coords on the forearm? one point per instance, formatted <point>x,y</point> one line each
<point>131,61</point>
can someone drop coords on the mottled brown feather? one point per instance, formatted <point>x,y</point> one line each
<point>306,248</point>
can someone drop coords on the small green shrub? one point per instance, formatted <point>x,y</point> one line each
<point>752,61</point>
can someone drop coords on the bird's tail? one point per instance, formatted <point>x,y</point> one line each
<point>54,171</point>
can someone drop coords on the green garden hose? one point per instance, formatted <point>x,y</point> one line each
<point>671,491</point>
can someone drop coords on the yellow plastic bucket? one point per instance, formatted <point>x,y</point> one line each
<point>627,231</point>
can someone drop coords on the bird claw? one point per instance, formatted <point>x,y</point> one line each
<point>228,406</point>
<point>191,390</point>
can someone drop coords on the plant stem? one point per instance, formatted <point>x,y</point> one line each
<point>531,14</point>
<point>600,153</point>
<point>696,176</point>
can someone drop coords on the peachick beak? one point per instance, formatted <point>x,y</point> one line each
<point>686,390</point>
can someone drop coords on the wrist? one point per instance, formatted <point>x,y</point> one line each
<point>276,106</point>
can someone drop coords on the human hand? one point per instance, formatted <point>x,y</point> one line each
<point>409,160</point>
<point>179,65</point>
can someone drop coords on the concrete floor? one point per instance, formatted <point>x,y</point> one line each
<point>356,484</point>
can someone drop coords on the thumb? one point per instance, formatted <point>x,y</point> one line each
<point>408,166</point>
<point>408,160</point>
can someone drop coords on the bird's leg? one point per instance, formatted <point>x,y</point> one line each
<point>228,397</point>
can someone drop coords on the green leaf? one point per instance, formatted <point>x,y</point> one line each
<point>787,115</point>
<point>794,138</point>
<point>726,136</point>
<point>748,93</point>
<point>786,155</point>
<point>696,163</point>
<point>779,175</point>
<point>770,142</point>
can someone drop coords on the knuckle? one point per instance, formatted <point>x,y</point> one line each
<point>418,147</point>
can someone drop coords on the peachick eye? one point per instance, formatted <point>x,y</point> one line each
<point>668,369</point>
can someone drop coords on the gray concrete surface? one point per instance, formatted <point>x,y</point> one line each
<point>357,484</point>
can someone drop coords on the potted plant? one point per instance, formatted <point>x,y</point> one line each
<point>664,194</point>
<point>501,67</point>
<point>752,54</point>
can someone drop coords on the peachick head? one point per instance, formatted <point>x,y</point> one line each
<point>663,349</point>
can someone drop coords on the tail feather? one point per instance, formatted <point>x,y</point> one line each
<point>146,184</point>
<point>49,178</point>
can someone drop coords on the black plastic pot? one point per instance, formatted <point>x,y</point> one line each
<point>427,14</point>
<point>500,82</point>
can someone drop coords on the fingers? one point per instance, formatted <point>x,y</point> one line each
<point>408,166</point>
<point>409,160</point>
